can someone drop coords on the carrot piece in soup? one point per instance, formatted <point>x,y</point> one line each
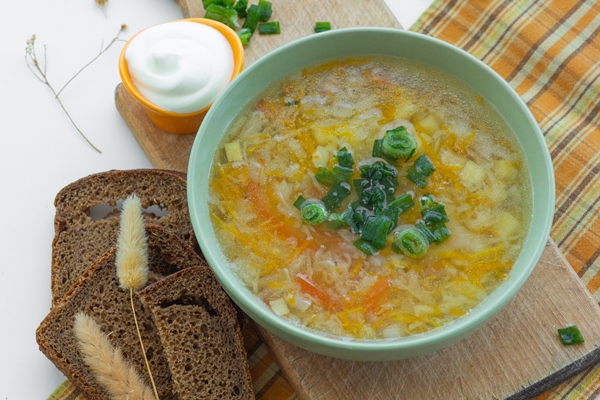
<point>377,294</point>
<point>310,288</point>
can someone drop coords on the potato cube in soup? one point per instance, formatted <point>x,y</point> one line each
<point>505,170</point>
<point>508,225</point>
<point>233,151</point>
<point>429,124</point>
<point>472,176</point>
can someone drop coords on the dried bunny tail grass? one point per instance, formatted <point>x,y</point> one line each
<point>107,363</point>
<point>132,246</point>
<point>132,259</point>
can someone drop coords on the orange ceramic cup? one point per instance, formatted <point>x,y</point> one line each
<point>173,122</point>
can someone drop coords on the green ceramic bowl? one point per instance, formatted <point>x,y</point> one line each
<point>351,43</point>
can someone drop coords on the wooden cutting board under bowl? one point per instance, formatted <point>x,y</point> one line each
<point>517,355</point>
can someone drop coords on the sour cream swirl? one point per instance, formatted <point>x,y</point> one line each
<point>180,66</point>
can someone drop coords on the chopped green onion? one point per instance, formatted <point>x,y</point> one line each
<point>227,16</point>
<point>426,201</point>
<point>325,176</point>
<point>375,230</point>
<point>434,218</point>
<point>245,34</point>
<point>411,242</point>
<point>241,7</point>
<point>403,203</point>
<point>355,219</point>
<point>224,3</point>
<point>345,158</point>
<point>335,220</point>
<point>570,335</point>
<point>420,170</point>
<point>313,213</point>
<point>337,193</point>
<point>269,28</point>
<point>264,7</point>
<point>365,247</point>
<point>398,144</point>
<point>299,201</point>
<point>292,103</point>
<point>343,174</point>
<point>377,148</point>
<point>436,233</point>
<point>372,197</point>
<point>252,17</point>
<point>322,26</point>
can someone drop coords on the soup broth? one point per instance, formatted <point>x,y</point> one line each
<point>333,276</point>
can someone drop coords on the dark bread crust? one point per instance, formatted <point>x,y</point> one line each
<point>79,240</point>
<point>97,293</point>
<point>200,335</point>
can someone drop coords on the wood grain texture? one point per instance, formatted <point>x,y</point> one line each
<point>516,355</point>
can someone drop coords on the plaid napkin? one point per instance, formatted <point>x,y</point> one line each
<point>549,52</point>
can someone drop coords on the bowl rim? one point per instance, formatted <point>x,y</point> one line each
<point>457,328</point>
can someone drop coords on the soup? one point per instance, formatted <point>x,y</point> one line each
<point>370,198</point>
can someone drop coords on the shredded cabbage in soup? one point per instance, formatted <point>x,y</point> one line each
<point>315,276</point>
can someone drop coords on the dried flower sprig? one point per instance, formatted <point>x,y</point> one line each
<point>132,259</point>
<point>107,363</point>
<point>39,71</point>
<point>102,5</point>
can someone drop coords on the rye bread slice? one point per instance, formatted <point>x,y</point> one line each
<point>97,293</point>
<point>200,335</point>
<point>79,239</point>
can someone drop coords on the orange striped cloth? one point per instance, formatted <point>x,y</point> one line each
<point>549,52</point>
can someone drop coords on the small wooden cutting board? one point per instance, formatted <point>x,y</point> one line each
<point>517,355</point>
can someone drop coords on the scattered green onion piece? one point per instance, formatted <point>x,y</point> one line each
<point>403,203</point>
<point>313,213</point>
<point>252,17</point>
<point>398,144</point>
<point>433,216</point>
<point>377,148</point>
<point>365,247</point>
<point>241,7</point>
<point>299,201</point>
<point>359,186</point>
<point>411,242</point>
<point>322,26</point>
<point>335,196</point>
<point>264,8</point>
<point>372,197</point>
<point>375,230</point>
<point>269,28</point>
<point>325,176</point>
<point>225,15</point>
<point>224,3</point>
<point>292,103</point>
<point>345,158</point>
<point>570,335</point>
<point>335,220</point>
<point>426,201</point>
<point>437,233</point>
<point>342,174</point>
<point>420,171</point>
<point>245,35</point>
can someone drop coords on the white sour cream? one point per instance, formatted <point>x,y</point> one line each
<point>180,66</point>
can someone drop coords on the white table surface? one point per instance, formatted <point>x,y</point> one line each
<point>41,152</point>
